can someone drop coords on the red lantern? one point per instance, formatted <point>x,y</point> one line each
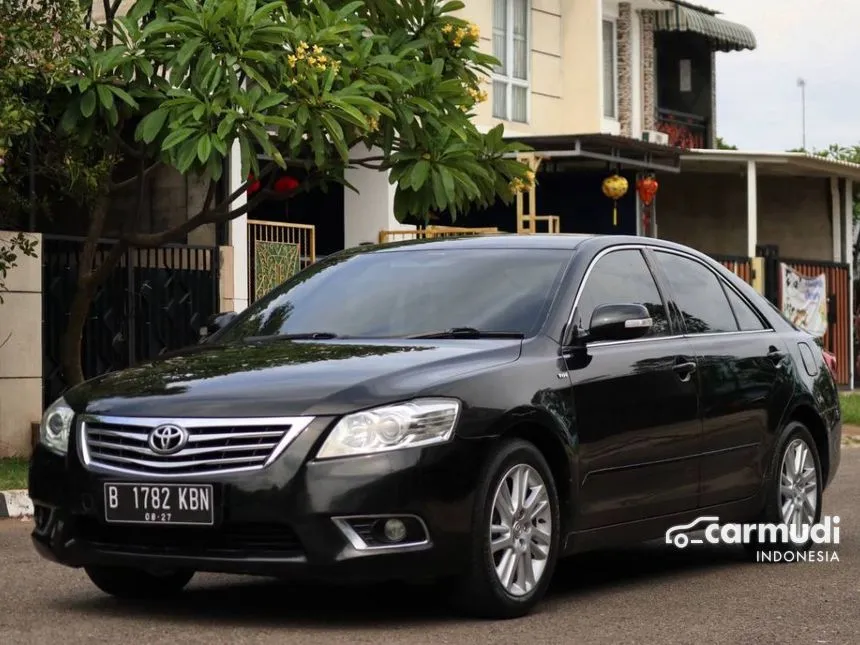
<point>286,184</point>
<point>647,188</point>
<point>254,186</point>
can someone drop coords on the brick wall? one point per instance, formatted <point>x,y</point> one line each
<point>708,212</point>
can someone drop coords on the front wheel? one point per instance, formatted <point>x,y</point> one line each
<point>515,534</point>
<point>125,582</point>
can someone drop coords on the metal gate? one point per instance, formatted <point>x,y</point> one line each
<point>154,301</point>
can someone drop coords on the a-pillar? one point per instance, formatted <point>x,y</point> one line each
<point>238,234</point>
<point>371,209</point>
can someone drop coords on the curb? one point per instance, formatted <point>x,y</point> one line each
<point>15,503</point>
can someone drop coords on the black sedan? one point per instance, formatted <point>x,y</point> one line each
<point>464,411</point>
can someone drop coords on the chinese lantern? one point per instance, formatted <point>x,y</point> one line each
<point>615,187</point>
<point>286,184</point>
<point>254,186</point>
<point>647,188</point>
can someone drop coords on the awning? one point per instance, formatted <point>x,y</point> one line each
<point>725,35</point>
<point>613,149</point>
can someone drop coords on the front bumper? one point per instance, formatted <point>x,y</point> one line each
<point>278,521</point>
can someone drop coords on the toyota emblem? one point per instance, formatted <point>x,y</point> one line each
<point>167,439</point>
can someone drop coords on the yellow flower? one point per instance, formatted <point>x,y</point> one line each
<point>448,28</point>
<point>312,60</point>
<point>373,123</point>
<point>303,46</point>
<point>291,59</point>
<point>317,49</point>
<point>474,31</point>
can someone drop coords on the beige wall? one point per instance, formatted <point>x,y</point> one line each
<point>20,354</point>
<point>709,212</point>
<point>565,95</point>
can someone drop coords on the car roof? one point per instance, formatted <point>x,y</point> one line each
<point>565,241</point>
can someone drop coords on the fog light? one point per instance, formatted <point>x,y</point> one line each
<point>395,530</point>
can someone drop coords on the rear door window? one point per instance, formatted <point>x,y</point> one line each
<point>698,295</point>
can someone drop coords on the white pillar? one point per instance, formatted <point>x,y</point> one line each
<point>238,232</point>
<point>836,218</point>
<point>752,208</point>
<point>848,257</point>
<point>371,210</point>
<point>637,108</point>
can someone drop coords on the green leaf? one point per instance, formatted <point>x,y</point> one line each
<point>448,183</point>
<point>149,127</point>
<point>187,51</point>
<point>336,134</point>
<point>124,96</point>
<point>419,174</point>
<point>438,190</point>
<point>186,156</point>
<point>88,104</point>
<point>271,101</point>
<point>176,137</point>
<point>204,148</point>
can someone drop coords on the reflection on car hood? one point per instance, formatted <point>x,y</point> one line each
<point>283,378</point>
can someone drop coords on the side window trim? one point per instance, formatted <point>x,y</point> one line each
<point>724,284</point>
<point>646,250</point>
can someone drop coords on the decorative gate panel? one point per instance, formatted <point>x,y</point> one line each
<point>277,251</point>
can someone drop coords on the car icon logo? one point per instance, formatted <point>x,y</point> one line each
<point>167,439</point>
<point>677,535</point>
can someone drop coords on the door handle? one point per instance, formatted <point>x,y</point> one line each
<point>685,370</point>
<point>776,355</point>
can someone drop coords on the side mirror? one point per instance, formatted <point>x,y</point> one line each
<point>215,323</point>
<point>619,322</point>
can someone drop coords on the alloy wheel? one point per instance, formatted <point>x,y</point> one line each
<point>798,487</point>
<point>520,529</point>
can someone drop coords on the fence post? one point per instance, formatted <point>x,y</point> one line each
<point>770,255</point>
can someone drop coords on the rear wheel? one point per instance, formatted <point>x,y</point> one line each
<point>795,487</point>
<point>515,535</point>
<point>125,582</point>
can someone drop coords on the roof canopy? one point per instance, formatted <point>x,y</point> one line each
<point>624,151</point>
<point>723,34</point>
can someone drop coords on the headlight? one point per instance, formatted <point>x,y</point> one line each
<point>415,423</point>
<point>56,426</point>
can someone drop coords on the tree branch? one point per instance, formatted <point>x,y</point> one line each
<point>114,187</point>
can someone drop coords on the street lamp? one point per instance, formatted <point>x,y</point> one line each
<point>801,83</point>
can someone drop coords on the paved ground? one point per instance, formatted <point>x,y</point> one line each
<point>646,595</point>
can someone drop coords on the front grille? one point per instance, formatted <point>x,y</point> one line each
<point>228,540</point>
<point>212,446</point>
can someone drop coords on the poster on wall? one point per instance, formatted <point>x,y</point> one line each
<point>804,300</point>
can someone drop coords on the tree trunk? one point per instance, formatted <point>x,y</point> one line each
<point>90,278</point>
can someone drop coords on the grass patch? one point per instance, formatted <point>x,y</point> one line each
<point>850,409</point>
<point>13,473</point>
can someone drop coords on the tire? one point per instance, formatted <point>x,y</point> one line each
<point>796,435</point>
<point>137,584</point>
<point>481,592</point>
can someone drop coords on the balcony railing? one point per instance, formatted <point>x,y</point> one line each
<point>684,130</point>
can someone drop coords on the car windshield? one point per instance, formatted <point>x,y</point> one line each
<point>398,293</point>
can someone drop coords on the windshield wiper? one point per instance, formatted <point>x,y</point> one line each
<point>468,332</point>
<point>309,335</point>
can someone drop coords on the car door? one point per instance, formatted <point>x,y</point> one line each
<point>744,378</point>
<point>635,402</point>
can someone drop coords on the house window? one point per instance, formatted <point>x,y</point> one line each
<point>511,47</point>
<point>610,70</point>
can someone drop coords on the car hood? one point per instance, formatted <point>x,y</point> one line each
<point>287,378</point>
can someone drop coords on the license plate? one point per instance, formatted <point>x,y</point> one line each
<point>159,503</point>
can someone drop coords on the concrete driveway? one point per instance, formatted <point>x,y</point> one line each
<point>650,594</point>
